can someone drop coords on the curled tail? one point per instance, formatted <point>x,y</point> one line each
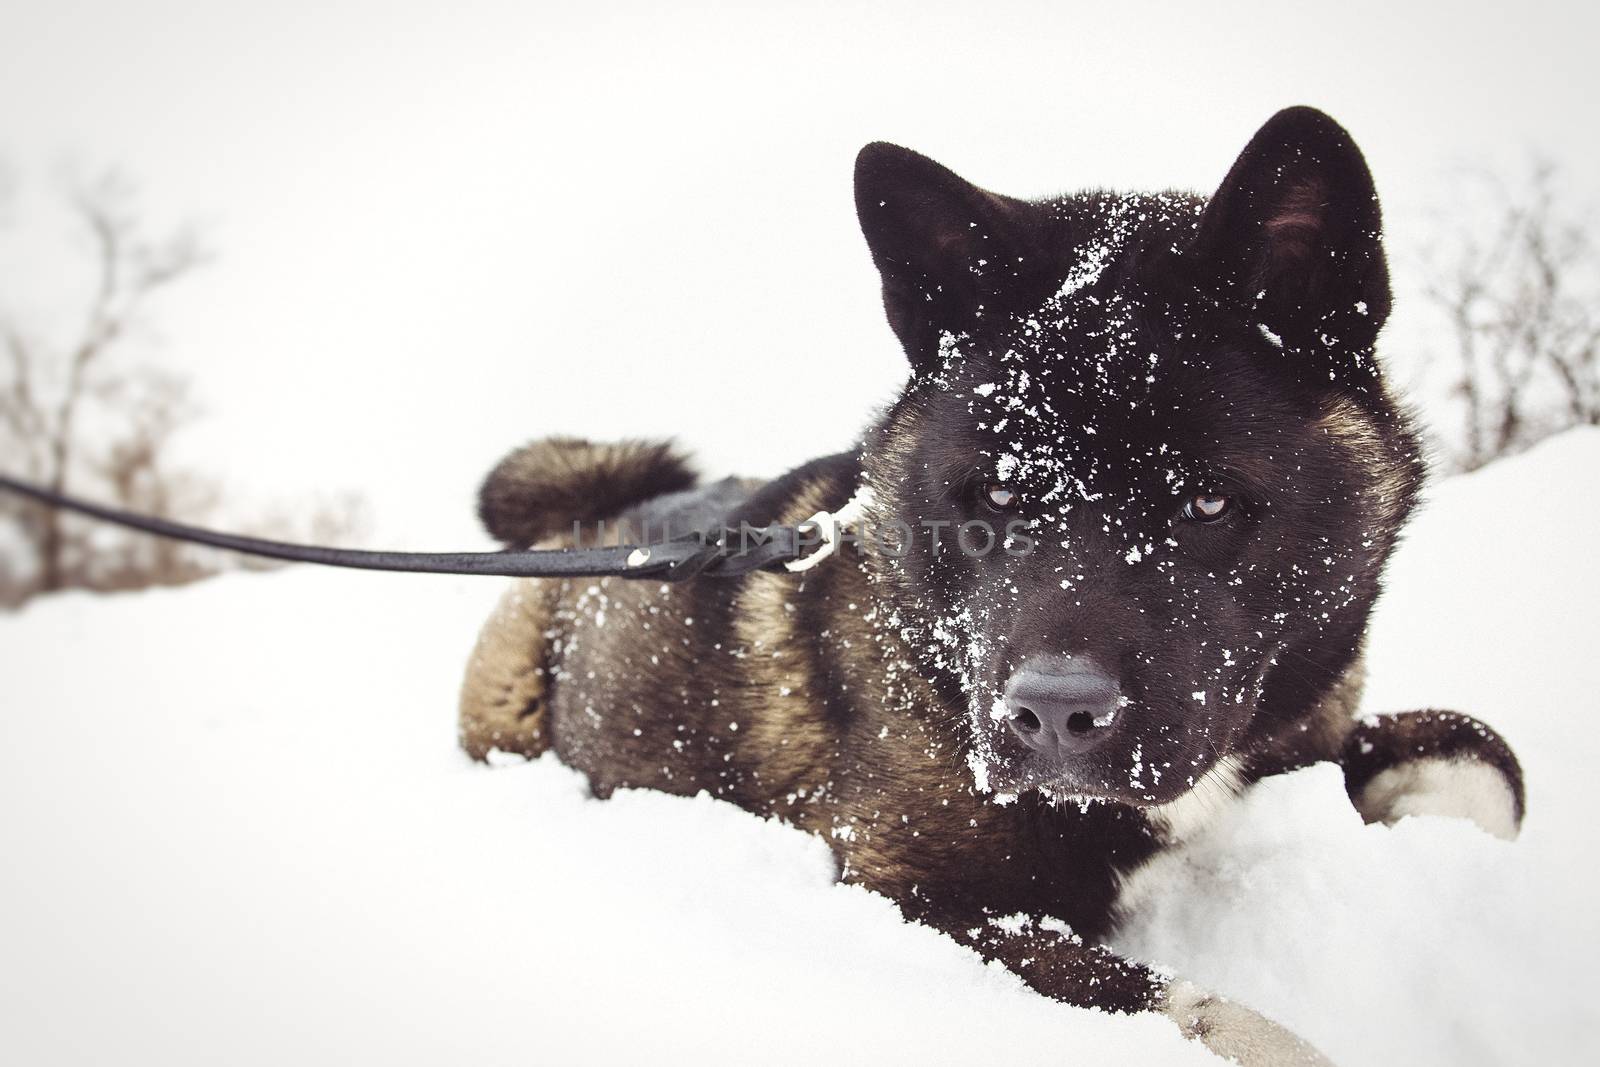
<point>544,487</point>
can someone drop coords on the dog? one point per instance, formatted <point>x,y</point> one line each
<point>1167,413</point>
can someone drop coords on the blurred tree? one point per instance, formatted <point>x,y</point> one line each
<point>76,415</point>
<point>1522,300</point>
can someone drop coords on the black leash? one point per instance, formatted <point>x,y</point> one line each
<point>713,554</point>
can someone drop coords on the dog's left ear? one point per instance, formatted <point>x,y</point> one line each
<point>1294,236</point>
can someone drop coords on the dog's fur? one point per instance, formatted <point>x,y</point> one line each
<point>1108,356</point>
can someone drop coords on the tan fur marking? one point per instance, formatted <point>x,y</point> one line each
<point>1321,734</point>
<point>787,731</point>
<point>502,696</point>
<point>1235,1032</point>
<point>1453,788</point>
<point>1350,428</point>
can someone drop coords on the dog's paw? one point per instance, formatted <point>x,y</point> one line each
<point>1433,763</point>
<point>1462,788</point>
<point>1234,1032</point>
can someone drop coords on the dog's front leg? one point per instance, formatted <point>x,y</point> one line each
<point>503,705</point>
<point>1433,763</point>
<point>1061,965</point>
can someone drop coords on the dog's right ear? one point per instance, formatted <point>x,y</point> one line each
<point>946,249</point>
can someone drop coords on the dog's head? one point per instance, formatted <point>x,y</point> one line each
<point>1160,421</point>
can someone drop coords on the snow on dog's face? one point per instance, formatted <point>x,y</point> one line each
<point>1168,413</point>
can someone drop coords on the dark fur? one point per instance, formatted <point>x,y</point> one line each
<point>848,703</point>
<point>544,487</point>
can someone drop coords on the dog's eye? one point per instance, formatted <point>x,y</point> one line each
<point>1000,496</point>
<point>1207,507</point>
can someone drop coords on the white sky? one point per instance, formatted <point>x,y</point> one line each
<point>445,229</point>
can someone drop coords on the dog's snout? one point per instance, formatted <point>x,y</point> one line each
<point>1062,708</point>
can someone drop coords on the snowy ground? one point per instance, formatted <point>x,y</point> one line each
<point>235,828</point>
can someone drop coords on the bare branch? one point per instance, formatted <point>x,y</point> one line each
<point>75,410</point>
<point>1524,313</point>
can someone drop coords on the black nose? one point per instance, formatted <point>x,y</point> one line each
<point>1062,707</point>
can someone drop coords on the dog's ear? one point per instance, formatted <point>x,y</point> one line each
<point>1293,236</point>
<point>948,251</point>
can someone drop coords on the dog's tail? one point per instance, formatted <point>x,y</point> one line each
<point>544,487</point>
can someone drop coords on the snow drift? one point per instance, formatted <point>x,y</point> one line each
<point>236,827</point>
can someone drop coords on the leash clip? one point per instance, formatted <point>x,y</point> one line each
<point>828,524</point>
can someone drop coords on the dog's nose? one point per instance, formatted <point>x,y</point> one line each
<point>1062,707</point>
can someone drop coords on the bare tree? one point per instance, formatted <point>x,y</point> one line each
<point>130,269</point>
<point>1522,301</point>
<point>75,410</point>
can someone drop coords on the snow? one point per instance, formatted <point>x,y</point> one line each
<point>236,827</point>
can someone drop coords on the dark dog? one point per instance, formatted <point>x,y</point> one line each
<point>1163,416</point>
